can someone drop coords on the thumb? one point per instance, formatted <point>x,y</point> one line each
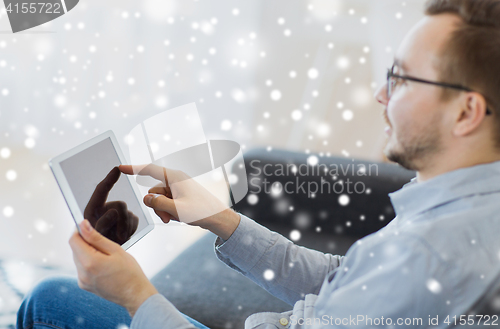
<point>96,240</point>
<point>160,202</point>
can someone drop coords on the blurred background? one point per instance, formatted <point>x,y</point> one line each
<point>298,75</point>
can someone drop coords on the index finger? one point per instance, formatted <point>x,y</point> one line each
<point>152,170</point>
<point>82,251</point>
<point>98,198</point>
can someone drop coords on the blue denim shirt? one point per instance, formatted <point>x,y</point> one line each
<point>430,263</point>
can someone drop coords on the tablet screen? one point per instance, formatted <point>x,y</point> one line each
<point>104,195</point>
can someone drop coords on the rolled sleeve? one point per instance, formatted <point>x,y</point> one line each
<point>157,312</point>
<point>284,269</point>
<point>245,246</point>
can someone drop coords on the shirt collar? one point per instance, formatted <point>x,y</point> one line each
<point>416,197</point>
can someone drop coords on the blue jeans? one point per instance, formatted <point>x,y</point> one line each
<point>60,304</point>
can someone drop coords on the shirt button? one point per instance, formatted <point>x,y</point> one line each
<point>283,321</point>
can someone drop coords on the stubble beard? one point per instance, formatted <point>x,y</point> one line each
<point>414,152</point>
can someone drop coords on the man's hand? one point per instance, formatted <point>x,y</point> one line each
<point>189,195</point>
<point>111,219</point>
<point>108,271</point>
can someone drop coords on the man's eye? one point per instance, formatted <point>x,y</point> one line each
<point>394,81</point>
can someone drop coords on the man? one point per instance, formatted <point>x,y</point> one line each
<point>427,266</point>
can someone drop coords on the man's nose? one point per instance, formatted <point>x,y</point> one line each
<point>381,95</point>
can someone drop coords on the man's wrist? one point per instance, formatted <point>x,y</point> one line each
<point>139,299</point>
<point>223,224</point>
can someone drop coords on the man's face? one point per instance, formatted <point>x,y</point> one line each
<point>415,114</point>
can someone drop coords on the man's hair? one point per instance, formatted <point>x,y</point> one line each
<point>471,56</point>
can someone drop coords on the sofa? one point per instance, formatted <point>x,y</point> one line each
<point>203,287</point>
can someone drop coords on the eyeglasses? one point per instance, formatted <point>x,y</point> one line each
<point>394,81</point>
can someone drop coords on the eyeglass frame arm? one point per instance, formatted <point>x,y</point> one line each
<point>441,84</point>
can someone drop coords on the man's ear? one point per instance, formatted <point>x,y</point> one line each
<point>472,112</point>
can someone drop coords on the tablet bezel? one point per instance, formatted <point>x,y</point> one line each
<point>76,212</point>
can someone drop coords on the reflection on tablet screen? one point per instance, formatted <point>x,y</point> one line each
<point>104,196</point>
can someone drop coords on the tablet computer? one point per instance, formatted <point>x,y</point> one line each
<point>95,189</point>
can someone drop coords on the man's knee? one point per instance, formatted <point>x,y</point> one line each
<point>53,287</point>
<point>61,303</point>
<point>47,294</point>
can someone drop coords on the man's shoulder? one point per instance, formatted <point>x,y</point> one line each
<point>468,235</point>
